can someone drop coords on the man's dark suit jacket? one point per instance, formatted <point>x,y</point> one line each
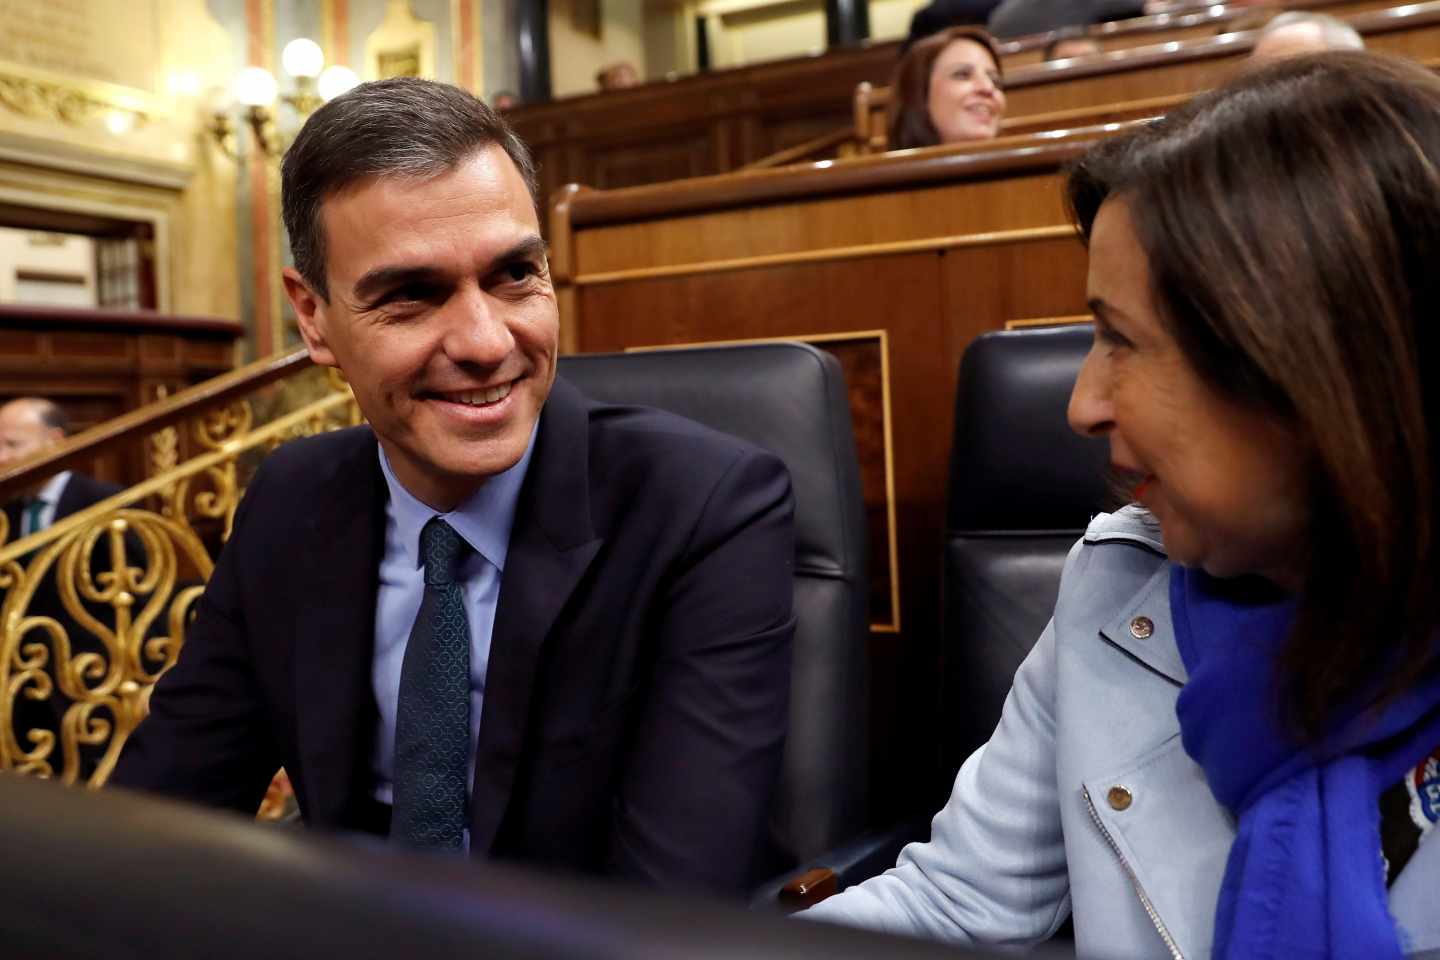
<point>637,694</point>
<point>79,492</point>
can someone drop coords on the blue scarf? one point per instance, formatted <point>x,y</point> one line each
<point>1305,876</point>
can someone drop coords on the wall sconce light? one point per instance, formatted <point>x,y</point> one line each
<point>256,92</point>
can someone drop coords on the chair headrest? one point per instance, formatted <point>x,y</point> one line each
<point>1016,466</point>
<point>788,398</point>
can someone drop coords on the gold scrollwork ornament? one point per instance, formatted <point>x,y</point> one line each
<point>119,627</point>
<point>217,427</point>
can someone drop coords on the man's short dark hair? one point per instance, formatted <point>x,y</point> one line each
<point>51,415</point>
<point>46,412</point>
<point>1066,35</point>
<point>402,127</point>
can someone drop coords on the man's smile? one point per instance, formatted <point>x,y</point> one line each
<point>476,396</point>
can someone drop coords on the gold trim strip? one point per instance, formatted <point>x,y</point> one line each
<point>884,337</point>
<point>1047,322</point>
<point>802,337</point>
<point>276,428</point>
<point>936,244</point>
<point>894,625</point>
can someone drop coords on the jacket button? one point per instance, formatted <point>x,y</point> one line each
<point>1119,799</point>
<point>1141,628</point>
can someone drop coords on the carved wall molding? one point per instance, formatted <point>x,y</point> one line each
<point>57,101</point>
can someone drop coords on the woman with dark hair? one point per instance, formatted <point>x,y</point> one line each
<point>1227,741</point>
<point>948,88</point>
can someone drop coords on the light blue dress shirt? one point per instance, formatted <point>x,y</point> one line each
<point>484,522</point>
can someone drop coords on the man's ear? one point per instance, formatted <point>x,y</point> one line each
<point>310,312</point>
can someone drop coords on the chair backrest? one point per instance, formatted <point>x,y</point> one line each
<point>1023,486</point>
<point>790,399</point>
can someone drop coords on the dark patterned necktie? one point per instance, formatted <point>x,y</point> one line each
<point>33,511</point>
<point>432,719</point>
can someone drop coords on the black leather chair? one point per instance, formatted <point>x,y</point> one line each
<point>1023,487</point>
<point>790,399</point>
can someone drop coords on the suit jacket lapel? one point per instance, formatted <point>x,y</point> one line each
<point>70,498</point>
<point>334,638</point>
<point>551,545</point>
<point>12,513</point>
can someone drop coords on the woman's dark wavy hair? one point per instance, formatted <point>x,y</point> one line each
<point>1292,223</point>
<point>909,121</point>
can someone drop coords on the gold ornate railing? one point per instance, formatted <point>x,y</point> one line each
<point>93,608</point>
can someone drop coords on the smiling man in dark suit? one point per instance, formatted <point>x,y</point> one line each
<point>500,617</point>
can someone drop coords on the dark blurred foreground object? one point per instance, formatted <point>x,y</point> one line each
<point>1017,18</point>
<point>117,875</point>
<point>942,14</point>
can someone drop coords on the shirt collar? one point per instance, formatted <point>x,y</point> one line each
<point>483,520</point>
<point>54,487</point>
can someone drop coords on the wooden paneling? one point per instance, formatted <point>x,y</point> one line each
<point>828,223</point>
<point>99,364</point>
<point>655,132</point>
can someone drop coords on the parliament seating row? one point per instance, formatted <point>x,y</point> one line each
<point>725,120</point>
<point>1146,81</point>
<point>1184,25</point>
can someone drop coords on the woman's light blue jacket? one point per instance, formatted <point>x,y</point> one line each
<point>1083,801</point>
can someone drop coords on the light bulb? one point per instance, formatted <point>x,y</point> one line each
<point>119,122</point>
<point>254,87</point>
<point>219,99</point>
<point>302,58</point>
<point>184,83</point>
<point>335,81</point>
